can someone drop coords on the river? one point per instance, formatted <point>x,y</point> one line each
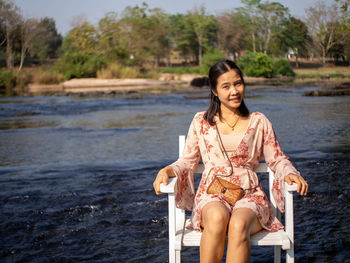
<point>76,174</point>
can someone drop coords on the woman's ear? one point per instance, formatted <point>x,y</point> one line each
<point>214,92</point>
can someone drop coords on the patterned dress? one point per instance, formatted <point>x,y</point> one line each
<point>258,142</point>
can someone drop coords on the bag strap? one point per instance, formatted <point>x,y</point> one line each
<point>228,158</point>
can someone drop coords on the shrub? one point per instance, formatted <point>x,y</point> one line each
<point>210,59</point>
<point>257,65</point>
<point>8,80</point>
<point>117,71</point>
<point>13,82</point>
<point>180,70</point>
<point>48,77</point>
<point>76,65</point>
<point>282,67</point>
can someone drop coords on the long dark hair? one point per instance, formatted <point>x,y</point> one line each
<point>215,72</point>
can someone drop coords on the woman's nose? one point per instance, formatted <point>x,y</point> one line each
<point>233,90</point>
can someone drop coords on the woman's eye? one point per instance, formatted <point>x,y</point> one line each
<point>238,83</point>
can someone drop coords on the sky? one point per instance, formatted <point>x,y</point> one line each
<point>64,11</point>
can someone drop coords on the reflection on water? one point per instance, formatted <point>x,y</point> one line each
<point>76,174</point>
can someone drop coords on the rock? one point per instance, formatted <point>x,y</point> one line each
<point>342,89</point>
<point>200,82</point>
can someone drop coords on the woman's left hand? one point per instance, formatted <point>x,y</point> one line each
<point>299,180</point>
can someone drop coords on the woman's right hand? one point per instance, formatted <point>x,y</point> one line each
<point>163,177</point>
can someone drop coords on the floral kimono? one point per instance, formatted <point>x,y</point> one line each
<point>202,144</point>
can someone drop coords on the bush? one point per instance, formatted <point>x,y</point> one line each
<point>117,71</point>
<point>76,65</point>
<point>282,67</point>
<point>257,65</point>
<point>210,59</point>
<point>8,80</point>
<point>13,82</point>
<point>180,70</point>
<point>48,77</point>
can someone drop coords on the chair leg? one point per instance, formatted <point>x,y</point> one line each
<point>178,256</point>
<point>290,254</point>
<point>172,255</point>
<point>277,253</point>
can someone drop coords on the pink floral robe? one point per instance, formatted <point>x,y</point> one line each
<point>259,141</point>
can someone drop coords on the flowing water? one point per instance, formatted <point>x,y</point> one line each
<point>76,175</point>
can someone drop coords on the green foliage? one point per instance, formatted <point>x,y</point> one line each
<point>7,80</point>
<point>180,70</point>
<point>77,65</point>
<point>11,81</point>
<point>282,67</point>
<point>117,71</point>
<point>261,65</point>
<point>257,65</point>
<point>48,77</point>
<point>47,40</point>
<point>210,59</point>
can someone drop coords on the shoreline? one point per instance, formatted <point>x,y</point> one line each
<point>164,85</point>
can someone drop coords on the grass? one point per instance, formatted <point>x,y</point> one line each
<point>332,72</point>
<point>180,70</point>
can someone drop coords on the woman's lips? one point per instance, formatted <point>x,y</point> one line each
<point>236,99</point>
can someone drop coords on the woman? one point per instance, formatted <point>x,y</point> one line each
<point>230,141</point>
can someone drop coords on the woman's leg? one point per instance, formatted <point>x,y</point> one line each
<point>242,225</point>
<point>215,217</point>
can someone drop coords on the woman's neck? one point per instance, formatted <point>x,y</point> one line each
<point>228,114</point>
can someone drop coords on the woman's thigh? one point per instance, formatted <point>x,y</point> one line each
<point>215,213</point>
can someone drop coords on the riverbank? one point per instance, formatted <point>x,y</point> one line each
<point>41,84</point>
<point>167,83</point>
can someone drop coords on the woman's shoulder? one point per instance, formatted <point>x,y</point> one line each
<point>199,116</point>
<point>259,117</point>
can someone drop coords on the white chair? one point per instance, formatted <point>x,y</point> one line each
<point>180,236</point>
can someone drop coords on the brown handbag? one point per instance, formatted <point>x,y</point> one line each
<point>230,191</point>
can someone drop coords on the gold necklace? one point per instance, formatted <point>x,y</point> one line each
<point>233,125</point>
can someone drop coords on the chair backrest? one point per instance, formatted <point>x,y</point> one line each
<point>261,168</point>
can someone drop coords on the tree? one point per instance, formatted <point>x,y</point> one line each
<point>159,40</point>
<point>204,27</point>
<point>9,16</point>
<point>29,29</point>
<point>251,10</point>
<point>345,14</point>
<point>273,16</point>
<point>231,32</point>
<point>83,38</point>
<point>265,20</point>
<point>47,40</point>
<point>323,23</point>
<point>113,41</point>
<point>294,36</point>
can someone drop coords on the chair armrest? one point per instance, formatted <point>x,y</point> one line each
<point>168,189</point>
<point>290,188</point>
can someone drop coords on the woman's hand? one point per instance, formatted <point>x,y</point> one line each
<point>299,180</point>
<point>162,177</point>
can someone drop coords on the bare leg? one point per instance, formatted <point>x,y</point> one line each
<point>242,225</point>
<point>215,217</point>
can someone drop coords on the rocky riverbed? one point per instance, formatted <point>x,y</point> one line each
<point>342,89</point>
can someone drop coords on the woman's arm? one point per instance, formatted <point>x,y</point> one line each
<point>281,166</point>
<point>182,169</point>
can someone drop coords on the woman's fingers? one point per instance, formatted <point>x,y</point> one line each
<point>302,186</point>
<point>162,177</point>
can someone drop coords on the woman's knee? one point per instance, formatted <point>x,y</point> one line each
<point>238,230</point>
<point>215,219</point>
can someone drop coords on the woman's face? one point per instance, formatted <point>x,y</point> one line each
<point>230,90</point>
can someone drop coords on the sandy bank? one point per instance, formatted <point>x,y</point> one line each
<point>166,83</point>
<point>87,85</point>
